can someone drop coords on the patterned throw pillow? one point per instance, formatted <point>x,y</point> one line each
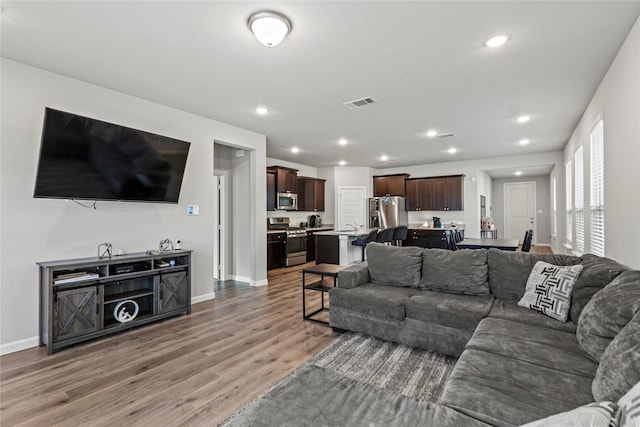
<point>549,289</point>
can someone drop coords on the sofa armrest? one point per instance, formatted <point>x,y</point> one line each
<point>354,276</point>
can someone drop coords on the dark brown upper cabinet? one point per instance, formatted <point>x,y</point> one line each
<point>389,185</point>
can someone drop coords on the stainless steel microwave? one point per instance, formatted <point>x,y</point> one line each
<point>287,202</point>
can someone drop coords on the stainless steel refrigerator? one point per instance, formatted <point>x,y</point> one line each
<point>387,211</point>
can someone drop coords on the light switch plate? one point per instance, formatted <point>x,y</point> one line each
<point>193,209</point>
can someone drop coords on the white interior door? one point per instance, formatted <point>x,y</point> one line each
<point>519,209</point>
<point>351,207</point>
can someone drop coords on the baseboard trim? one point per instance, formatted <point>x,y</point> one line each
<point>241,279</point>
<point>202,298</point>
<point>19,345</point>
<point>257,283</point>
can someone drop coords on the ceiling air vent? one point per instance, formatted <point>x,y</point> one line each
<point>358,103</point>
<point>445,135</point>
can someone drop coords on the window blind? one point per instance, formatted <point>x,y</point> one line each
<point>596,202</point>
<point>569,195</point>
<point>579,200</point>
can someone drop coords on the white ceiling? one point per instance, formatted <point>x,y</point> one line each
<point>423,62</point>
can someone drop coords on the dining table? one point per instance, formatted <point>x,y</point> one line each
<point>503,244</point>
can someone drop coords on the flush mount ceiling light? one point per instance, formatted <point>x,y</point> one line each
<point>523,119</point>
<point>497,40</point>
<point>269,27</point>
<point>432,133</point>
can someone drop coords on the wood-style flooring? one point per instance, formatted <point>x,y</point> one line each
<point>188,370</point>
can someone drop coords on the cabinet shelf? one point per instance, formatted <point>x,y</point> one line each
<point>109,299</point>
<point>112,324</point>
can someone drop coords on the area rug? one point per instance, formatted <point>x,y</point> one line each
<point>356,373</point>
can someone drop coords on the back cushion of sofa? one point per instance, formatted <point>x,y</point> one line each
<point>394,266</point>
<point>619,368</point>
<point>608,312</point>
<point>509,271</point>
<point>597,273</point>
<point>456,272</point>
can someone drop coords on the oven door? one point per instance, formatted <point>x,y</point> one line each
<point>296,243</point>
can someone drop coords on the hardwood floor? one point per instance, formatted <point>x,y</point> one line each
<point>188,370</point>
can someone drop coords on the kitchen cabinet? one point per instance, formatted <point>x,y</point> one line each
<point>276,250</point>
<point>310,194</point>
<point>271,190</point>
<point>389,185</point>
<point>286,178</point>
<point>431,239</point>
<point>419,193</point>
<point>448,193</point>
<point>442,193</point>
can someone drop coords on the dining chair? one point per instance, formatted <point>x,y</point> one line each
<point>526,243</point>
<point>386,235</point>
<point>400,234</point>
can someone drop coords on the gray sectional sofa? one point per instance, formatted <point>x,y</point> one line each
<point>516,364</point>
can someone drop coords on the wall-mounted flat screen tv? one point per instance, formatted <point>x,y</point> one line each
<point>84,158</point>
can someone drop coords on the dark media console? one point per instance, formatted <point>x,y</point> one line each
<point>82,299</point>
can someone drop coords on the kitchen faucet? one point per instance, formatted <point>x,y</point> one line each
<point>354,225</point>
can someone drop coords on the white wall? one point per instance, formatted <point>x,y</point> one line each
<point>618,100</point>
<point>35,230</point>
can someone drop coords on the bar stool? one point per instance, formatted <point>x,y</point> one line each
<point>386,235</point>
<point>400,234</point>
<point>362,241</point>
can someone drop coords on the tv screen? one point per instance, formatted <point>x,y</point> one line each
<point>84,158</point>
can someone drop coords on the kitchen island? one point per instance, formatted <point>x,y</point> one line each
<point>334,247</point>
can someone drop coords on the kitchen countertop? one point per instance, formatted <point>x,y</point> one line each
<point>323,228</point>
<point>348,233</point>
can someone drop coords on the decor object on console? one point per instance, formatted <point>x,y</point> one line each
<point>104,250</point>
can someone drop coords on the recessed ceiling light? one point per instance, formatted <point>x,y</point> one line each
<point>523,119</point>
<point>497,40</point>
<point>342,163</point>
<point>432,133</point>
<point>342,141</point>
<point>295,150</point>
<point>262,110</point>
<point>518,173</point>
<point>524,141</point>
<point>452,150</point>
<point>384,157</point>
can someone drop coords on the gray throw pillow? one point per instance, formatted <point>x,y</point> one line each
<point>456,272</point>
<point>394,266</point>
<point>619,368</point>
<point>608,312</point>
<point>549,289</point>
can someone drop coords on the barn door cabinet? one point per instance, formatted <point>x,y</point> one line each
<point>82,299</point>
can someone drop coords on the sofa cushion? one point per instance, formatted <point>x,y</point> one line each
<point>373,300</point>
<point>509,310</point>
<point>394,266</point>
<point>456,311</point>
<point>532,344</point>
<point>509,271</point>
<point>458,272</point>
<point>503,391</point>
<point>597,414</point>
<point>598,272</point>
<point>619,367</point>
<point>549,289</point>
<point>608,312</point>
<point>354,275</point>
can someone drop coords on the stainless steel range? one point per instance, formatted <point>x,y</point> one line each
<point>296,240</point>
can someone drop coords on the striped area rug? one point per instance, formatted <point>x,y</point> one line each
<point>405,370</point>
